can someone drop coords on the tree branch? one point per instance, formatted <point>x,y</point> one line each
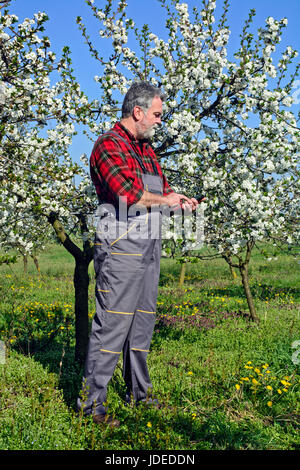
<point>63,237</point>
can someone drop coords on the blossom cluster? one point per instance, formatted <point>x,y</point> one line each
<point>37,116</point>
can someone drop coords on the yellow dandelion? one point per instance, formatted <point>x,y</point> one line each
<point>149,425</point>
<point>237,386</point>
<point>268,387</point>
<point>269,404</point>
<point>190,373</point>
<point>283,382</point>
<point>279,391</point>
<point>288,384</point>
<point>257,370</point>
<point>255,382</point>
<point>285,389</point>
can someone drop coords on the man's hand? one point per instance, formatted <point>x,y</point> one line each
<point>177,200</point>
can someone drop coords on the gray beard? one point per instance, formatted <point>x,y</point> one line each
<point>148,134</point>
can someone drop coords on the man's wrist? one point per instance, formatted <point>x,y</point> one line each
<point>148,199</point>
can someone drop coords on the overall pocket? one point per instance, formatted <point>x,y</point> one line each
<point>125,267</point>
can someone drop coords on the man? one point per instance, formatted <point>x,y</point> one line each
<point>124,168</point>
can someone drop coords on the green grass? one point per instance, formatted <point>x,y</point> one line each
<point>204,356</point>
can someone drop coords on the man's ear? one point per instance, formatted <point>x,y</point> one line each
<point>137,113</point>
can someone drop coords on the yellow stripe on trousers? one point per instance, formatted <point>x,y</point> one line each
<point>122,313</point>
<point>123,235</point>
<point>112,352</point>
<point>137,349</point>
<point>126,254</point>
<point>144,311</point>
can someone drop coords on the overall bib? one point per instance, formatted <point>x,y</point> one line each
<point>127,266</point>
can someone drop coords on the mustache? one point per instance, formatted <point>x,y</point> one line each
<point>154,127</point>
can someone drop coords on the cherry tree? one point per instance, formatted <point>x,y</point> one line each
<point>39,104</point>
<point>228,130</point>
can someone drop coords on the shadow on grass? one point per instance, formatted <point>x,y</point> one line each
<point>60,361</point>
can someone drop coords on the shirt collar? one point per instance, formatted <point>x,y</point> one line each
<point>125,131</point>
<point>129,134</point>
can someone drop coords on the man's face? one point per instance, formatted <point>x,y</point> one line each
<point>149,120</point>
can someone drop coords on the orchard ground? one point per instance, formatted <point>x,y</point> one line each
<point>228,383</point>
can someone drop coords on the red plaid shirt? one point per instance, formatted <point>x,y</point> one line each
<point>116,172</point>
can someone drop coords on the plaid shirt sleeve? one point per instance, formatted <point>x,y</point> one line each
<point>166,187</point>
<point>110,168</point>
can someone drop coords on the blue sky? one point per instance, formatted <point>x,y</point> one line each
<point>63,30</point>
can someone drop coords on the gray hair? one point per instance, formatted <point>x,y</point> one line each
<point>140,94</point>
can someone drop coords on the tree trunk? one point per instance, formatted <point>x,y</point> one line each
<point>243,268</point>
<point>245,281</point>
<point>36,262</point>
<point>233,273</point>
<point>25,263</point>
<point>182,274</point>
<point>81,286</point>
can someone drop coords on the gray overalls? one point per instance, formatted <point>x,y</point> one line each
<point>127,267</point>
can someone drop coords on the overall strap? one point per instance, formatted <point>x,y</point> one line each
<point>134,154</point>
